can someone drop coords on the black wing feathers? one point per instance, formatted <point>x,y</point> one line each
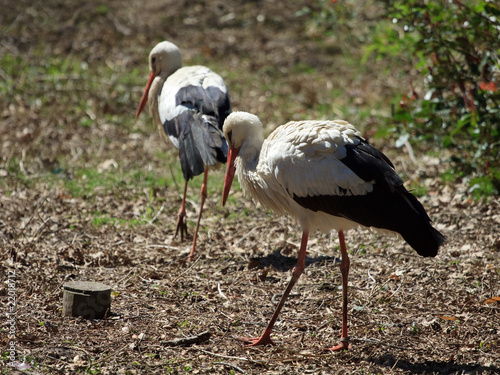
<point>389,206</point>
<point>198,129</point>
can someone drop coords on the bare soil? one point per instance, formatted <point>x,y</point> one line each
<point>407,314</point>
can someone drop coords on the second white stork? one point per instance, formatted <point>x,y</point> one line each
<point>326,176</point>
<point>189,105</point>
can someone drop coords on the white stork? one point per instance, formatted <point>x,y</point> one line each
<point>189,105</point>
<point>326,176</point>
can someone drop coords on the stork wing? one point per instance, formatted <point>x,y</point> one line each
<point>337,172</point>
<point>328,158</point>
<point>196,89</point>
<point>193,105</point>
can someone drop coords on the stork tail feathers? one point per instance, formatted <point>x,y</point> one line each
<point>191,161</point>
<point>403,213</point>
<point>201,144</point>
<point>417,230</point>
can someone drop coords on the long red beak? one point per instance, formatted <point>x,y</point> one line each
<point>144,99</point>
<point>230,170</point>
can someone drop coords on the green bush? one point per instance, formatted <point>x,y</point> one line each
<point>455,47</point>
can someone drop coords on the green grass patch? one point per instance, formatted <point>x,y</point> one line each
<point>417,189</point>
<point>101,219</point>
<point>87,182</point>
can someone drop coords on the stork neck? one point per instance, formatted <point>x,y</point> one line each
<point>248,158</point>
<point>154,94</point>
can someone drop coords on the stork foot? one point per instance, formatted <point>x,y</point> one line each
<point>344,345</point>
<point>181,224</point>
<point>255,341</point>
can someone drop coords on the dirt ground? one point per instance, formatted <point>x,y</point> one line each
<point>407,314</point>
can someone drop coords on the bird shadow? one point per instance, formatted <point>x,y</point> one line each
<point>285,263</point>
<point>432,367</point>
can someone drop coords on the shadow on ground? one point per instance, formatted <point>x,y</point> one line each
<point>433,367</point>
<point>284,263</point>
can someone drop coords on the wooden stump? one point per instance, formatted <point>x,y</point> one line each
<point>90,300</point>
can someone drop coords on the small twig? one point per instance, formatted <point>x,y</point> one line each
<point>220,292</point>
<point>172,174</point>
<point>41,226</point>
<point>185,271</point>
<point>35,211</point>
<point>163,246</point>
<point>395,363</point>
<point>78,152</point>
<point>111,355</point>
<point>156,215</point>
<point>392,295</point>
<point>230,357</point>
<point>145,280</point>
<point>227,316</point>
<point>370,276</point>
<point>188,340</point>
<point>194,204</point>
<point>230,365</point>
<point>7,161</point>
<point>83,350</point>
<point>411,154</point>
<point>127,276</point>
<point>277,297</point>
<point>247,234</point>
<point>305,355</point>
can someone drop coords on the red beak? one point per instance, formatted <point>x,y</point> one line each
<point>144,99</point>
<point>230,170</point>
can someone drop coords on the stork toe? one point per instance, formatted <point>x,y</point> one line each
<point>256,341</point>
<point>181,225</point>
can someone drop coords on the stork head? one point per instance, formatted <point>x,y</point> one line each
<point>164,59</point>
<point>244,135</point>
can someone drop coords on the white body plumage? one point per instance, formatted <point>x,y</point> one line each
<point>303,158</point>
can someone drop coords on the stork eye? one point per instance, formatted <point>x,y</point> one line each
<point>153,60</point>
<point>229,137</point>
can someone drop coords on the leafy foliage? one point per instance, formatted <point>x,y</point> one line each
<point>454,45</point>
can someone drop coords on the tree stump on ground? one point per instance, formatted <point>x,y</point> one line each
<point>90,300</point>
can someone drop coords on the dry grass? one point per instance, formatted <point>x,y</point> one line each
<point>88,194</point>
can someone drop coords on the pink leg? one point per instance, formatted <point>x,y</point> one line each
<point>344,269</point>
<point>203,195</point>
<point>181,216</point>
<point>297,271</point>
